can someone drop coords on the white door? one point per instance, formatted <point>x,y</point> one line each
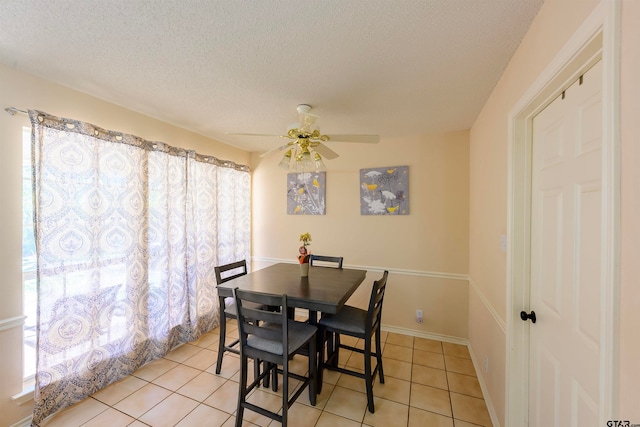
<point>566,260</point>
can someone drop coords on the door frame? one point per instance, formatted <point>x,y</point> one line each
<point>596,39</point>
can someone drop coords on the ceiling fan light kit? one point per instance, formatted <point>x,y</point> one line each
<point>301,158</point>
<point>305,150</point>
<point>317,158</point>
<point>285,163</point>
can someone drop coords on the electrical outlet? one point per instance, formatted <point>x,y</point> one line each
<point>419,316</point>
<point>503,243</point>
<point>486,363</point>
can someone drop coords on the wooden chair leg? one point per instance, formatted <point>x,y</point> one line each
<point>336,349</point>
<point>256,368</point>
<point>379,356</point>
<point>242,395</point>
<point>320,364</point>
<point>221,341</point>
<point>274,379</point>
<point>267,379</point>
<point>313,371</point>
<point>328,338</point>
<point>367,374</point>
<point>285,394</point>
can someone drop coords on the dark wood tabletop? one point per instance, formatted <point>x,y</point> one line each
<point>326,289</point>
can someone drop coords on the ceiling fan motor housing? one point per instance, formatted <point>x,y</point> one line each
<point>303,108</point>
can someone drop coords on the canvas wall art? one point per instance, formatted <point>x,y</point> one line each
<point>306,193</point>
<point>384,191</point>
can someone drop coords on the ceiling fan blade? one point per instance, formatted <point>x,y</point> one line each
<point>371,139</point>
<point>325,151</point>
<point>279,148</point>
<point>255,134</point>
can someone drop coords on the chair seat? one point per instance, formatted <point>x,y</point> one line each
<point>299,333</point>
<point>357,323</point>
<point>348,320</point>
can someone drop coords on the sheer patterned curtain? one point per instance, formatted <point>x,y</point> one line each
<point>127,234</point>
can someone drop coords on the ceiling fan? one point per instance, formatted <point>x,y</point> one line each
<point>305,147</point>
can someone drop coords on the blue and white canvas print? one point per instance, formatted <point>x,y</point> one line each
<point>384,191</point>
<point>306,193</point>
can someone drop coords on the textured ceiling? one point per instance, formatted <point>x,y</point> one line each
<point>393,68</point>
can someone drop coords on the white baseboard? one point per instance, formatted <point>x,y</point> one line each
<point>483,386</point>
<point>427,335</point>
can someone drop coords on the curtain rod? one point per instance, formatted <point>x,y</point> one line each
<point>14,110</point>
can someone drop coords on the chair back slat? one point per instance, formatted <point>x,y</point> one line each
<point>227,272</point>
<point>260,298</point>
<point>374,313</point>
<point>250,316</point>
<point>268,334</point>
<point>266,314</point>
<point>333,261</point>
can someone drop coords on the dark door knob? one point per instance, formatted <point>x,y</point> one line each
<point>524,316</point>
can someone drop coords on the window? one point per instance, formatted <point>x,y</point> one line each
<point>29,294</point>
<point>127,231</point>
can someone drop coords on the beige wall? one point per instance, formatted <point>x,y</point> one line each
<point>425,251</point>
<point>556,22</point>
<point>24,91</point>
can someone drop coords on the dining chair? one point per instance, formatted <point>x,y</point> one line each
<point>358,323</point>
<point>273,338</point>
<point>228,310</point>
<point>325,261</point>
<point>328,261</point>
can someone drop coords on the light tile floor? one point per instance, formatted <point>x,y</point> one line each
<point>427,383</point>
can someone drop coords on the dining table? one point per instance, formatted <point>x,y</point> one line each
<point>324,290</point>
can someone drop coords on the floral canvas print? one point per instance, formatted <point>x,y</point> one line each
<point>306,193</point>
<point>384,191</point>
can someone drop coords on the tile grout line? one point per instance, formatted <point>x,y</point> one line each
<point>229,379</point>
<point>446,371</point>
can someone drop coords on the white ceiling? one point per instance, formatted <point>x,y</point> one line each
<point>394,68</point>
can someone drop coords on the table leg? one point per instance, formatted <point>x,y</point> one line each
<point>313,320</point>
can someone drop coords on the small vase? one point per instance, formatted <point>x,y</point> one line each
<point>304,269</point>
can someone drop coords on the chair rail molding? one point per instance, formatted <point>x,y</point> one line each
<point>421,273</point>
<point>12,322</point>
<point>485,301</point>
